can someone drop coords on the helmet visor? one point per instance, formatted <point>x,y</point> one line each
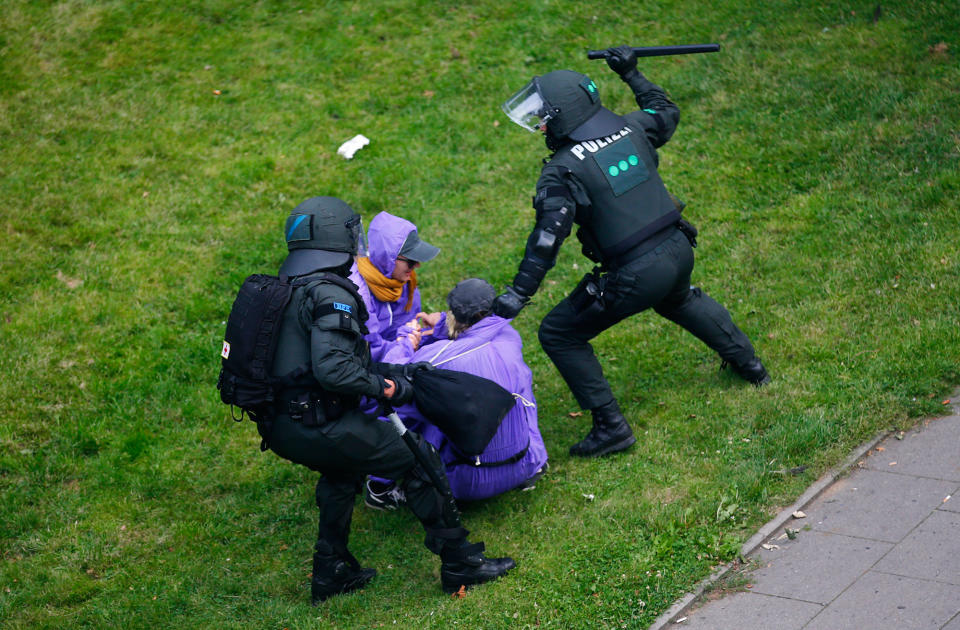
<point>526,107</point>
<point>359,237</point>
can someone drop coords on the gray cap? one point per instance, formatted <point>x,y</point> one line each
<point>415,248</point>
<point>321,233</point>
<point>574,104</point>
<point>470,298</point>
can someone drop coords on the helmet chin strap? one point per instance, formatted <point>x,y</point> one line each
<point>553,141</point>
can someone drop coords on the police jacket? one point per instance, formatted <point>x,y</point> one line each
<point>322,335</point>
<point>608,186</point>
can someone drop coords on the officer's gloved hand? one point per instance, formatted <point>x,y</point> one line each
<point>411,369</point>
<point>509,304</point>
<point>622,60</point>
<point>402,392</point>
<point>387,369</point>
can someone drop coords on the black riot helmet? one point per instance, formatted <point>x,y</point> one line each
<point>567,102</point>
<point>321,233</point>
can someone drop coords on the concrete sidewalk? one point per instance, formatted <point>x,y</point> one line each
<point>878,549</point>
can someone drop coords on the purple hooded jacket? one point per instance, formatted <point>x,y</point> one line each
<point>491,348</point>
<point>388,322</point>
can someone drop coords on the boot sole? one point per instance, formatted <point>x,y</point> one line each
<point>354,584</point>
<point>452,587</point>
<point>381,507</point>
<point>622,445</point>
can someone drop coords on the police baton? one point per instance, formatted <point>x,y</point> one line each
<point>660,51</point>
<point>428,467</point>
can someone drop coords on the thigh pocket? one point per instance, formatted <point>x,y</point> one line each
<point>356,439</point>
<point>587,298</point>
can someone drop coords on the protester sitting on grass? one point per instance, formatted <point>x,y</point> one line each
<point>483,344</point>
<point>387,282</point>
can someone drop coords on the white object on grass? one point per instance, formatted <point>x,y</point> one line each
<point>354,144</point>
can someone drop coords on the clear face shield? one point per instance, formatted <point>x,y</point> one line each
<point>359,236</point>
<point>527,107</point>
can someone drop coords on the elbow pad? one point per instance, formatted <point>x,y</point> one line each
<point>543,245</point>
<point>530,275</point>
<point>554,207</point>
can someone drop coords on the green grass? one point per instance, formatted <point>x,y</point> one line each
<point>819,155</point>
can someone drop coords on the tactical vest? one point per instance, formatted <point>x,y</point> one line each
<point>293,347</point>
<point>629,202</point>
<point>305,397</point>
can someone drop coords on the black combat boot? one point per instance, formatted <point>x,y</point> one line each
<point>335,573</point>
<point>610,433</point>
<point>752,371</point>
<point>466,566</point>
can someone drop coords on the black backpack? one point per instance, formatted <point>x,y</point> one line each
<point>249,345</point>
<point>250,342</point>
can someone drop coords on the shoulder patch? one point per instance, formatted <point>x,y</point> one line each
<point>343,307</point>
<point>622,166</point>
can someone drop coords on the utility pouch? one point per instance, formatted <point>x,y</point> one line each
<point>311,409</point>
<point>333,406</point>
<point>300,410</point>
<point>587,297</point>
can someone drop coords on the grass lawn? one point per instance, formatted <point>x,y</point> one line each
<point>150,153</point>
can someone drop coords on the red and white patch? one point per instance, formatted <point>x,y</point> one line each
<point>225,353</point>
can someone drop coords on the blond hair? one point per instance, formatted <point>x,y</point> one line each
<point>455,328</point>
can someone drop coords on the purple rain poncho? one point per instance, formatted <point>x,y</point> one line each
<point>491,348</point>
<point>388,324</point>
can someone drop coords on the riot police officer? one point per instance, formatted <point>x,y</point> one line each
<point>602,176</point>
<point>322,355</point>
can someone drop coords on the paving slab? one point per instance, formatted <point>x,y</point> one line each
<point>877,505</point>
<point>931,450</point>
<point>953,503</point>
<point>749,611</point>
<point>931,551</point>
<point>816,566</point>
<point>890,602</point>
<point>879,549</point>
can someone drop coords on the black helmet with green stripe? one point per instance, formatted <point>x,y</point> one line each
<point>567,102</point>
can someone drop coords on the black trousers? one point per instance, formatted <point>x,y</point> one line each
<point>345,451</point>
<point>658,279</point>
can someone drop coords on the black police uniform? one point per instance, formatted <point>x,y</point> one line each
<point>323,356</point>
<point>629,224</point>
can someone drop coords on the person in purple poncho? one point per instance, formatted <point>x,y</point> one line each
<point>387,282</point>
<point>483,344</point>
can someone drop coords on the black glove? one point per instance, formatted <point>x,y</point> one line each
<point>403,392</point>
<point>410,370</point>
<point>387,369</point>
<point>509,303</point>
<point>622,60</point>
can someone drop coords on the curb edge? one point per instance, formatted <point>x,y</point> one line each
<point>768,529</point>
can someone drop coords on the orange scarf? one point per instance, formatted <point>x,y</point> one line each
<point>383,288</point>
